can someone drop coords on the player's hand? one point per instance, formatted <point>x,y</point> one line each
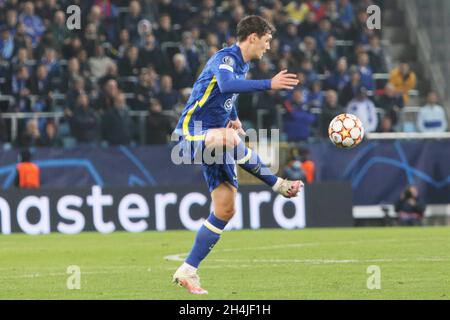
<point>284,80</point>
<point>236,125</point>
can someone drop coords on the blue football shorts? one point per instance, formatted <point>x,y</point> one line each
<point>214,173</point>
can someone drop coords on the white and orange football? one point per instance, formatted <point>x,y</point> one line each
<point>346,131</point>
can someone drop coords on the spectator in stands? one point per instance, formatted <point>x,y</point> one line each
<point>329,56</point>
<point>168,97</point>
<point>391,102</point>
<point>346,14</point>
<point>59,29</point>
<point>365,71</point>
<point>28,174</point>
<point>132,19</point>
<point>41,85</point>
<point>47,42</point>
<point>298,120</point>
<point>362,107</point>
<point>332,14</point>
<point>6,43</point>
<point>96,23</point>
<point>144,90</point>
<point>291,38</point>
<point>299,166</point>
<point>330,109</point>
<point>31,137</point>
<point>403,79</point>
<point>49,60</point>
<point>99,63</point>
<point>22,39</point>
<point>351,89</point>
<point>181,76</point>
<point>150,54</point>
<point>189,50</point>
<point>359,33</point>
<point>308,50</point>
<point>297,11</point>
<point>339,78</point>
<point>322,34</point>
<point>293,170</point>
<point>144,28</point>
<point>20,88</point>
<point>410,208</point>
<point>91,38</point>
<point>117,126</point>
<point>386,124</point>
<point>309,26</point>
<point>107,95</point>
<point>22,59</point>
<point>72,73</point>
<point>33,24</point>
<point>129,65</point>
<point>11,21</point>
<point>309,71</point>
<point>46,10</point>
<point>50,136</point>
<point>316,96</point>
<point>432,116</point>
<point>165,33</point>
<point>376,55</point>
<point>123,43</point>
<point>77,87</point>
<point>84,122</point>
<point>158,125</point>
<point>223,29</point>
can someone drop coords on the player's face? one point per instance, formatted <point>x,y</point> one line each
<point>261,45</point>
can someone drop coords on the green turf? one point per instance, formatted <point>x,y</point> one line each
<point>262,264</point>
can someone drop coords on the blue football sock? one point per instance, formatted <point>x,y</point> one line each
<point>248,160</point>
<point>206,238</point>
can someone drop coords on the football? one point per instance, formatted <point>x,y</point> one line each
<point>346,130</point>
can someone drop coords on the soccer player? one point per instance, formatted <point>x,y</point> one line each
<point>210,122</point>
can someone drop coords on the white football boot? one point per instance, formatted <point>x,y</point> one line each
<point>287,188</point>
<point>188,280</point>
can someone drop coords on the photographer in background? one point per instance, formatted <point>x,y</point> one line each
<point>409,208</point>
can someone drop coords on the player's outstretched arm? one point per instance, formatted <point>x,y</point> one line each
<point>228,83</point>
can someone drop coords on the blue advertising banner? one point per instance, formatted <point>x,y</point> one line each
<point>378,171</point>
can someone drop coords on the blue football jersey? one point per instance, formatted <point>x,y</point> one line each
<point>207,107</point>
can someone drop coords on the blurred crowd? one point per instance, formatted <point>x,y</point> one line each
<point>145,56</point>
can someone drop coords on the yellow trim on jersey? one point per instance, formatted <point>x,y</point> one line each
<point>200,103</point>
<point>246,158</point>
<point>214,229</point>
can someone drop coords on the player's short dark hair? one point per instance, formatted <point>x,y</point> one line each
<point>253,24</point>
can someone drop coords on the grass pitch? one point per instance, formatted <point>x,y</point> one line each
<point>262,264</point>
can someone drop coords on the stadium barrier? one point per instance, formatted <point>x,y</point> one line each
<point>105,210</point>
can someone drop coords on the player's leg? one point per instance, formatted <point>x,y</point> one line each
<point>223,198</point>
<point>249,160</point>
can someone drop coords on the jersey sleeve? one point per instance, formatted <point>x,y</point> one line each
<point>227,80</point>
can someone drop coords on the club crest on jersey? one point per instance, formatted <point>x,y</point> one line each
<point>228,104</point>
<point>228,60</point>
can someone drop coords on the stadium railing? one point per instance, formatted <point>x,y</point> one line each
<point>58,116</point>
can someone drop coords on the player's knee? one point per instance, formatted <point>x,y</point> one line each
<point>225,213</point>
<point>222,137</point>
<point>231,138</point>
